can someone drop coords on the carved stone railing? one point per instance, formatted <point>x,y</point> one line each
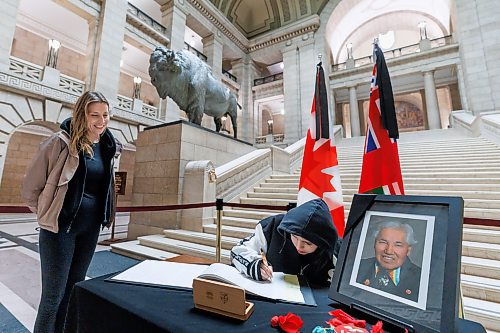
<point>237,176</point>
<point>195,52</point>
<point>149,110</point>
<point>229,75</point>
<point>35,72</point>
<point>270,139</point>
<point>268,79</point>
<point>395,53</point>
<point>125,103</point>
<point>260,139</point>
<point>25,69</point>
<point>71,84</point>
<point>279,137</point>
<point>146,19</point>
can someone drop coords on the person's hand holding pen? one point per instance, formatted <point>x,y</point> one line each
<point>265,270</point>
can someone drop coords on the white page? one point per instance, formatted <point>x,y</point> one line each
<point>162,273</point>
<point>283,286</point>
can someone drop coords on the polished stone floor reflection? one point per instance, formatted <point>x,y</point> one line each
<point>20,283</point>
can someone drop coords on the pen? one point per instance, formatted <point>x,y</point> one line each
<point>263,255</point>
<point>266,264</point>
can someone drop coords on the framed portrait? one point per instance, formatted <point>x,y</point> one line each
<point>400,261</point>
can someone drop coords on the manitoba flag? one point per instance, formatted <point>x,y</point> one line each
<point>381,171</point>
<point>320,177</point>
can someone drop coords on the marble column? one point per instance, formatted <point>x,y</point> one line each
<point>477,32</point>
<point>461,88</point>
<point>105,48</point>
<point>332,106</point>
<point>299,73</point>
<point>291,92</point>
<point>174,19</point>
<point>431,101</point>
<point>246,71</point>
<point>7,30</point>
<point>212,48</point>
<point>354,112</point>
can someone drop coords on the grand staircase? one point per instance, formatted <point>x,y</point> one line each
<point>454,166</point>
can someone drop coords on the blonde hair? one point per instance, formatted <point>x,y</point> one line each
<point>79,128</point>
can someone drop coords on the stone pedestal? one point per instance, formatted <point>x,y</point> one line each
<point>137,105</point>
<point>166,156</point>
<point>349,63</point>
<point>51,76</point>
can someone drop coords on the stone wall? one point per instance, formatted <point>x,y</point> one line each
<point>161,157</point>
<point>148,92</point>
<point>21,148</point>
<point>69,62</point>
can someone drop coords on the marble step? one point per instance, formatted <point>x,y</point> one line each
<point>474,234</point>
<point>229,231</point>
<point>249,214</point>
<point>482,203</point>
<point>481,250</point>
<point>200,238</point>
<point>480,288</point>
<point>289,190</point>
<point>134,250</point>
<point>438,174</point>
<point>282,181</point>
<point>422,158</point>
<point>427,151</point>
<point>349,192</point>
<point>353,182</point>
<point>428,186</point>
<point>272,196</point>
<point>484,312</point>
<point>455,193</point>
<point>481,267</point>
<point>181,247</point>
<point>240,222</point>
<point>482,213</point>
<point>270,202</point>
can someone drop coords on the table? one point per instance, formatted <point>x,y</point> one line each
<point>100,306</point>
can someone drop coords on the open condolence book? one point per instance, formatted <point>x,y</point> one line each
<point>284,287</point>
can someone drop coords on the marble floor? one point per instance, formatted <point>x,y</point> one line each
<point>20,284</point>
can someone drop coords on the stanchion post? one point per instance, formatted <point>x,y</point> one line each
<point>114,222</point>
<point>219,204</point>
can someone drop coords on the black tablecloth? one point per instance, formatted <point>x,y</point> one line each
<point>100,306</point>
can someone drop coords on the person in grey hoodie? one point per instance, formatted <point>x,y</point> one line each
<point>304,241</point>
<point>70,186</point>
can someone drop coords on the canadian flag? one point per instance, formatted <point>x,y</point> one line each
<point>320,176</point>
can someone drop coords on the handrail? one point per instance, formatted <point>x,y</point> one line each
<point>229,75</point>
<point>268,79</point>
<point>139,14</point>
<point>195,52</point>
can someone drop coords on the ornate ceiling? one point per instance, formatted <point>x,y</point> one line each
<point>255,17</point>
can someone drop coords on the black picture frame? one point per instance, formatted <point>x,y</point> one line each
<point>430,306</point>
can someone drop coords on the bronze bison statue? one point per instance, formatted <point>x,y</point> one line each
<point>190,83</point>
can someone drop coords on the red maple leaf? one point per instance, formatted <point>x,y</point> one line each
<point>313,178</point>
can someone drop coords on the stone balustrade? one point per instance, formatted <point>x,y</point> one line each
<point>395,53</point>
<point>241,173</point>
